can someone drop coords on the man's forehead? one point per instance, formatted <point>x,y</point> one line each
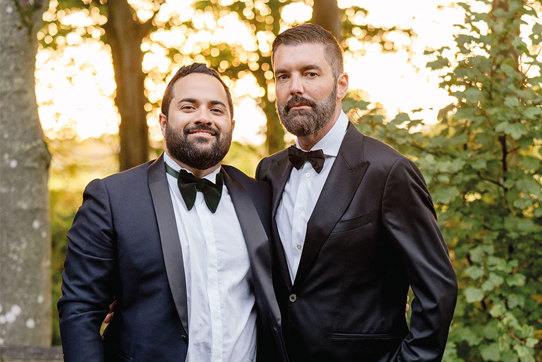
<point>199,86</point>
<point>299,55</point>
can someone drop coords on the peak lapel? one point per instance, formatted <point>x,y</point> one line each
<point>341,184</point>
<point>169,237</point>
<point>283,168</point>
<point>258,245</point>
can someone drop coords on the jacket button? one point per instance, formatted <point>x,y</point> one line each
<point>292,298</point>
<point>184,337</point>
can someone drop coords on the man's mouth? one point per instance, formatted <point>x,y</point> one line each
<point>202,132</point>
<point>299,103</point>
<point>300,106</point>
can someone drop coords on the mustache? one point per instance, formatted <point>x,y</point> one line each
<point>201,127</point>
<point>296,100</point>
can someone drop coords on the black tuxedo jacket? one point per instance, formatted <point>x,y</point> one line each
<point>372,234</point>
<point>124,244</point>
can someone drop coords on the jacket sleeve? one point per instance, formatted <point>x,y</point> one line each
<point>410,219</point>
<point>87,280</point>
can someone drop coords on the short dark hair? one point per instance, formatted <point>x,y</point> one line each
<point>312,33</point>
<point>183,72</point>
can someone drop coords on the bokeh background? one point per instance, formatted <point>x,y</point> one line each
<point>456,86</point>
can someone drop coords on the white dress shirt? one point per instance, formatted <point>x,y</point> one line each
<point>221,311</point>
<point>301,193</point>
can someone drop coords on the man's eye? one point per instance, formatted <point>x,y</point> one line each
<point>311,74</point>
<point>187,108</point>
<point>217,110</point>
<point>282,77</point>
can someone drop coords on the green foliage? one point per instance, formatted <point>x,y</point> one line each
<point>63,207</point>
<point>482,163</point>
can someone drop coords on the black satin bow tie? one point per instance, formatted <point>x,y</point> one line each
<point>298,158</point>
<point>189,185</point>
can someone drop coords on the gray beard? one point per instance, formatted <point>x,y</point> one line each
<point>200,158</point>
<point>303,122</point>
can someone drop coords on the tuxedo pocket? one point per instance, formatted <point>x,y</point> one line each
<point>351,224</point>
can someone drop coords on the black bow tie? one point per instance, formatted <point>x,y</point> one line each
<point>189,185</point>
<point>298,158</point>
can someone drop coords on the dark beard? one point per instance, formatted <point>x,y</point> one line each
<point>193,153</point>
<point>303,122</point>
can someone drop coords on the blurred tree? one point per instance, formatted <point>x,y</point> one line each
<point>135,30</point>
<point>124,33</point>
<point>326,14</point>
<point>120,27</point>
<point>25,238</point>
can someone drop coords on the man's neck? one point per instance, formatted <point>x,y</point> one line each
<point>195,171</point>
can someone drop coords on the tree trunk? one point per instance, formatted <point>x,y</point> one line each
<point>326,14</point>
<point>124,34</point>
<point>25,237</point>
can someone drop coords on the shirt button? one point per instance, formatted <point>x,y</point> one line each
<point>184,337</point>
<point>308,174</point>
<point>300,209</point>
<point>292,298</point>
<point>298,246</point>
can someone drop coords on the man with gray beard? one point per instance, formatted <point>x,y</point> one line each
<point>353,224</point>
<point>180,243</point>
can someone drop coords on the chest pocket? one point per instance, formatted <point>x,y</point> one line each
<point>351,224</point>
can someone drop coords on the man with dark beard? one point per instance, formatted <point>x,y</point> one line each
<point>354,225</point>
<point>180,243</point>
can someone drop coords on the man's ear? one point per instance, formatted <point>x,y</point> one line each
<point>342,85</point>
<point>162,120</point>
<point>232,124</point>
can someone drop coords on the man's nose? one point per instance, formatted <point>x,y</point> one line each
<point>203,116</point>
<point>296,85</point>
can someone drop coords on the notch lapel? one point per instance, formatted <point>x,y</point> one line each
<point>258,245</point>
<point>169,237</point>
<point>341,184</point>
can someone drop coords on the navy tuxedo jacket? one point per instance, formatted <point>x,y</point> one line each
<point>372,234</point>
<point>124,245</point>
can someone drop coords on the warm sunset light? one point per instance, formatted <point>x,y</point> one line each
<point>75,85</point>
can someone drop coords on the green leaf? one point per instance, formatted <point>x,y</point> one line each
<point>473,95</point>
<point>445,195</point>
<point>497,310</point>
<point>474,272</point>
<point>515,300</point>
<point>473,294</point>
<point>491,352</point>
<point>517,280</point>
<point>516,129</point>
<point>491,330</point>
<point>511,101</point>
<point>531,342</point>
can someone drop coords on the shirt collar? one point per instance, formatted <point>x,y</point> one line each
<point>174,165</point>
<point>331,142</point>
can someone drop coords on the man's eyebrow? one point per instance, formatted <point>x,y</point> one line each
<point>215,102</point>
<point>189,100</point>
<point>304,68</point>
<point>212,102</point>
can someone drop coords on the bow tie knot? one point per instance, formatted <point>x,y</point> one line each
<point>189,185</point>
<point>298,158</point>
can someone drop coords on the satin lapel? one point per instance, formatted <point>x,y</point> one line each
<point>258,245</point>
<point>341,184</point>
<point>169,237</point>
<point>281,168</point>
